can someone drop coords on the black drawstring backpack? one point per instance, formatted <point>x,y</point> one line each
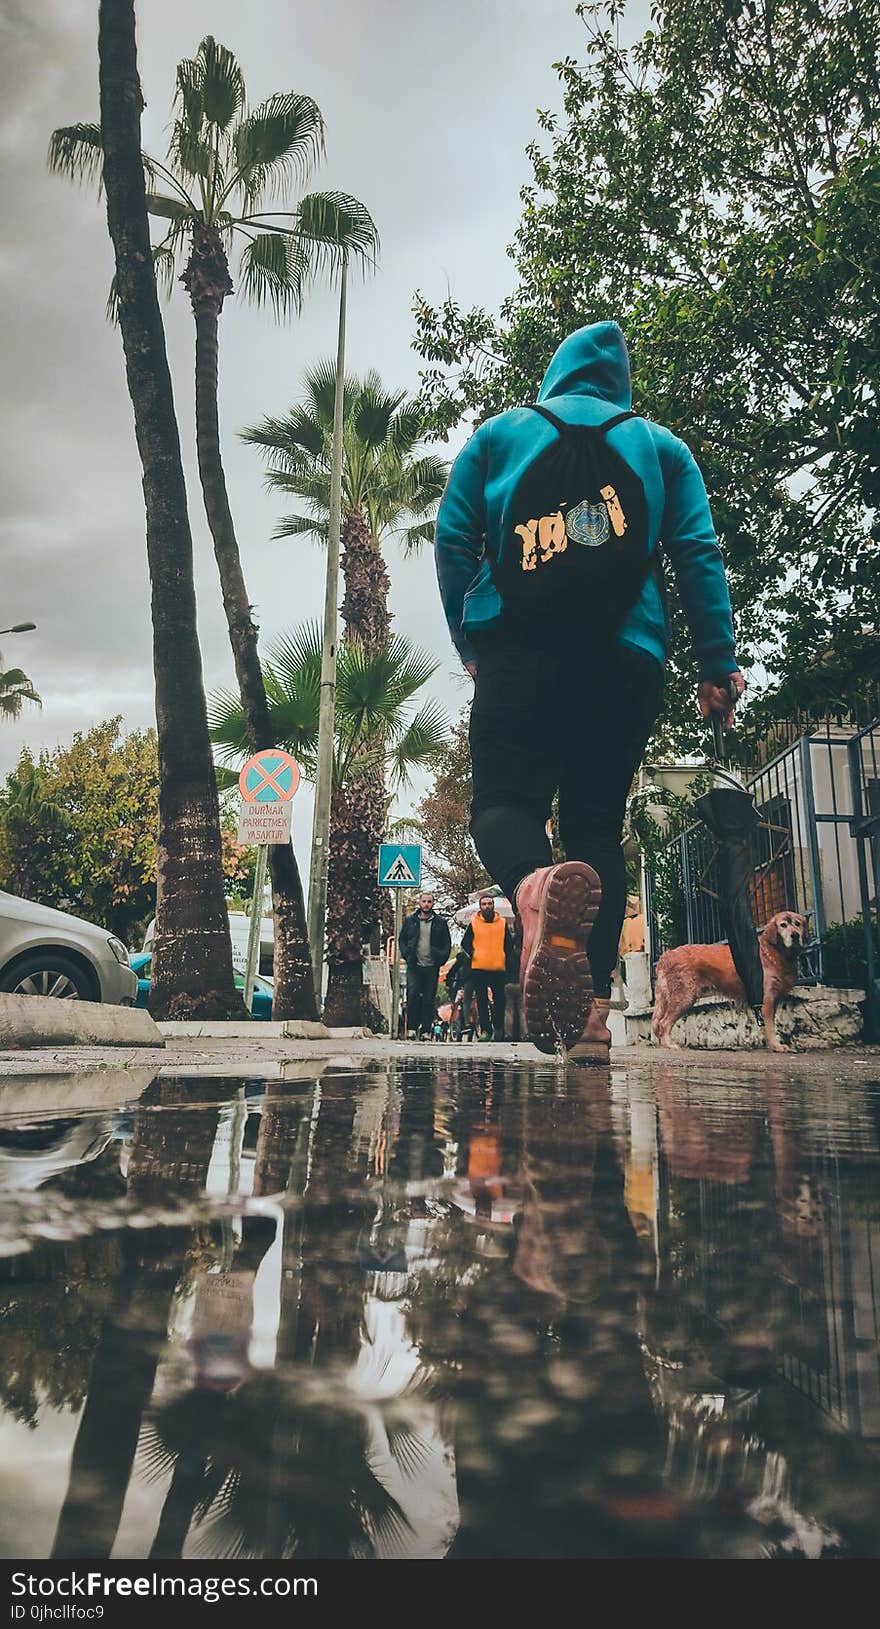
<point>575,540</point>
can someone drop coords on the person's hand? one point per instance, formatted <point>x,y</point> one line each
<point>471,668</point>
<point>714,696</point>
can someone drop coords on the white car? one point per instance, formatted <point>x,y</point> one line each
<point>50,953</point>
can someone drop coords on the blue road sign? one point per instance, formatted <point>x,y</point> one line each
<point>400,865</point>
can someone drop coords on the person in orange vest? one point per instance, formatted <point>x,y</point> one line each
<point>488,941</point>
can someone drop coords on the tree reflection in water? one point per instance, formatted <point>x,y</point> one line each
<point>505,1323</point>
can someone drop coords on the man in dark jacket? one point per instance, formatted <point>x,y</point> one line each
<point>425,944</point>
<point>568,685</point>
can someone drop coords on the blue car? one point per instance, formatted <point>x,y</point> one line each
<point>261,1001</point>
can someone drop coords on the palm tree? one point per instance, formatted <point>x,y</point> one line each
<point>192,967</point>
<point>379,741</point>
<point>389,487</point>
<point>225,164</point>
<point>15,690</point>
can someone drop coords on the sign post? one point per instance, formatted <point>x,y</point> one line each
<point>400,866</point>
<point>253,944</point>
<point>267,783</point>
<point>395,967</point>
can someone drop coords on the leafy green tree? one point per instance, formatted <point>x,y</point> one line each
<point>226,165</point>
<point>714,187</point>
<point>390,485</point>
<point>443,821</point>
<point>79,828</point>
<point>28,813</point>
<point>380,739</point>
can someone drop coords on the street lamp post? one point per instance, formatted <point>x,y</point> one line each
<point>326,718</point>
<point>20,627</point>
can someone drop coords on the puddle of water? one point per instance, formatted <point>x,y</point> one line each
<point>443,1309</point>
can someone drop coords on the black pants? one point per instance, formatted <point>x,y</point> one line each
<point>483,983</point>
<point>550,716</point>
<point>421,994</point>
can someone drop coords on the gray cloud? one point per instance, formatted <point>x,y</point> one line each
<point>428,110</point>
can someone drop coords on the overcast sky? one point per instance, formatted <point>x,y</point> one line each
<point>428,109</point>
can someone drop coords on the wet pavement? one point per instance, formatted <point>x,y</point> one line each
<point>442,1306</point>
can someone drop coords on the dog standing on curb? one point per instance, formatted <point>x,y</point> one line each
<point>694,970</point>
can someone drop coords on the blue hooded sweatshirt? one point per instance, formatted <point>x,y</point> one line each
<point>587,381</point>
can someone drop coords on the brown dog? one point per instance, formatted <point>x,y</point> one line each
<point>692,970</point>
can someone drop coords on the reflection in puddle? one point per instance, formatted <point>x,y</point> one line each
<point>464,1310</point>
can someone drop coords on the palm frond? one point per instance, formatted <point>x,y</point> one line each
<point>296,656</point>
<point>396,488</point>
<point>281,140</point>
<point>220,82</point>
<point>373,415</point>
<point>227,726</point>
<point>320,392</point>
<point>409,668</point>
<point>274,269</point>
<point>336,224</point>
<point>168,209</point>
<point>414,538</point>
<point>408,1447</point>
<point>75,151</point>
<point>301,430</point>
<point>191,151</point>
<point>15,690</point>
<point>420,743</point>
<point>302,526</point>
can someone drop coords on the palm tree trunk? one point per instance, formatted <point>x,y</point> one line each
<point>192,956</point>
<point>365,605</point>
<point>208,282</point>
<point>357,816</point>
<point>358,812</point>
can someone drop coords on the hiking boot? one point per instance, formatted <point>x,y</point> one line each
<point>557,907</point>
<point>594,1045</point>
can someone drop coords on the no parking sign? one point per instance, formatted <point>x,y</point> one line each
<point>268,784</point>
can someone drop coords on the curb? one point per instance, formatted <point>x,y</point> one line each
<point>40,1021</point>
<point>289,1030</point>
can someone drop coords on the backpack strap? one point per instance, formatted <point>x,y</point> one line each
<point>563,427</point>
<point>617,419</point>
<point>558,424</point>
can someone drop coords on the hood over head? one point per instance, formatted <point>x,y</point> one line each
<point>593,361</point>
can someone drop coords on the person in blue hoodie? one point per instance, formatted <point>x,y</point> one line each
<point>565,701</point>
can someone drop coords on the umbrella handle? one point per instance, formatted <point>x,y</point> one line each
<point>718,722</point>
<point>718,735</point>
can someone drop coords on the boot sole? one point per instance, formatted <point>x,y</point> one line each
<point>590,1052</point>
<point>558,984</point>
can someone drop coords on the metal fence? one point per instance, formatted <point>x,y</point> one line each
<point>817,852</point>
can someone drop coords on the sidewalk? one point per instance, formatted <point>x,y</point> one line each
<point>259,1056</point>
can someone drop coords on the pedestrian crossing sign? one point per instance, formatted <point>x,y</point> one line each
<point>400,865</point>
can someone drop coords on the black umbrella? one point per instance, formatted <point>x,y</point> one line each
<point>731,815</point>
